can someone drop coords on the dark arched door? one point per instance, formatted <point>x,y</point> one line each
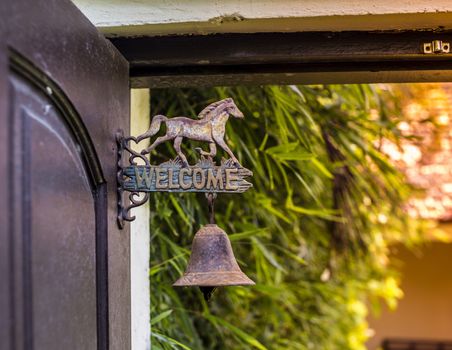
<point>64,265</point>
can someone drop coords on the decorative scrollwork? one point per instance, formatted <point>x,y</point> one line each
<point>135,198</point>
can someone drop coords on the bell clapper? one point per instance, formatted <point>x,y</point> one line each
<point>207,292</point>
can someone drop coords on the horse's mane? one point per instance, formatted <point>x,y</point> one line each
<point>207,112</point>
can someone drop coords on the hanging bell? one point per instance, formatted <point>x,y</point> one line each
<point>212,262</point>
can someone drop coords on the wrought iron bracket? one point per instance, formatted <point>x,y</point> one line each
<point>133,199</point>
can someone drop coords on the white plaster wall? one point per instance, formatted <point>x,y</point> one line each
<point>140,239</point>
<point>154,17</point>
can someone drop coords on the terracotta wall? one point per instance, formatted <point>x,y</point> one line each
<point>425,312</point>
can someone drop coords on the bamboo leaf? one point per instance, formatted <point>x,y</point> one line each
<point>170,341</point>
<point>238,332</point>
<point>160,317</point>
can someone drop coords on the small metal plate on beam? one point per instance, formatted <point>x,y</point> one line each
<point>436,47</point>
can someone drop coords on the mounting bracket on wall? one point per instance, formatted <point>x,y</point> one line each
<point>133,158</point>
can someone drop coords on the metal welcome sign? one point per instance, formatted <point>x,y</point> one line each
<point>172,176</point>
<point>212,262</point>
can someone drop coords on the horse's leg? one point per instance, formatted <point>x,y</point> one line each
<point>177,143</point>
<point>222,144</point>
<point>157,142</point>
<point>212,148</point>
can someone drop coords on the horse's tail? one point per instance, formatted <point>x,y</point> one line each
<point>154,128</point>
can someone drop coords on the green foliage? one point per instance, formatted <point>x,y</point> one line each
<point>312,232</point>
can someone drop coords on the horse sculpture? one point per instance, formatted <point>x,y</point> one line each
<point>209,128</point>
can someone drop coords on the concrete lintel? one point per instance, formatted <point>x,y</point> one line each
<point>161,17</point>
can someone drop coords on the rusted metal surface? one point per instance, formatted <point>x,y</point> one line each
<point>209,128</point>
<point>172,176</point>
<point>212,261</point>
<point>211,202</point>
<point>138,176</point>
<point>135,198</point>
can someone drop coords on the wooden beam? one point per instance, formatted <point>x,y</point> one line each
<point>285,58</point>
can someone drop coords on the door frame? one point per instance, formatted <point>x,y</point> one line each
<point>26,70</point>
<point>57,40</point>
